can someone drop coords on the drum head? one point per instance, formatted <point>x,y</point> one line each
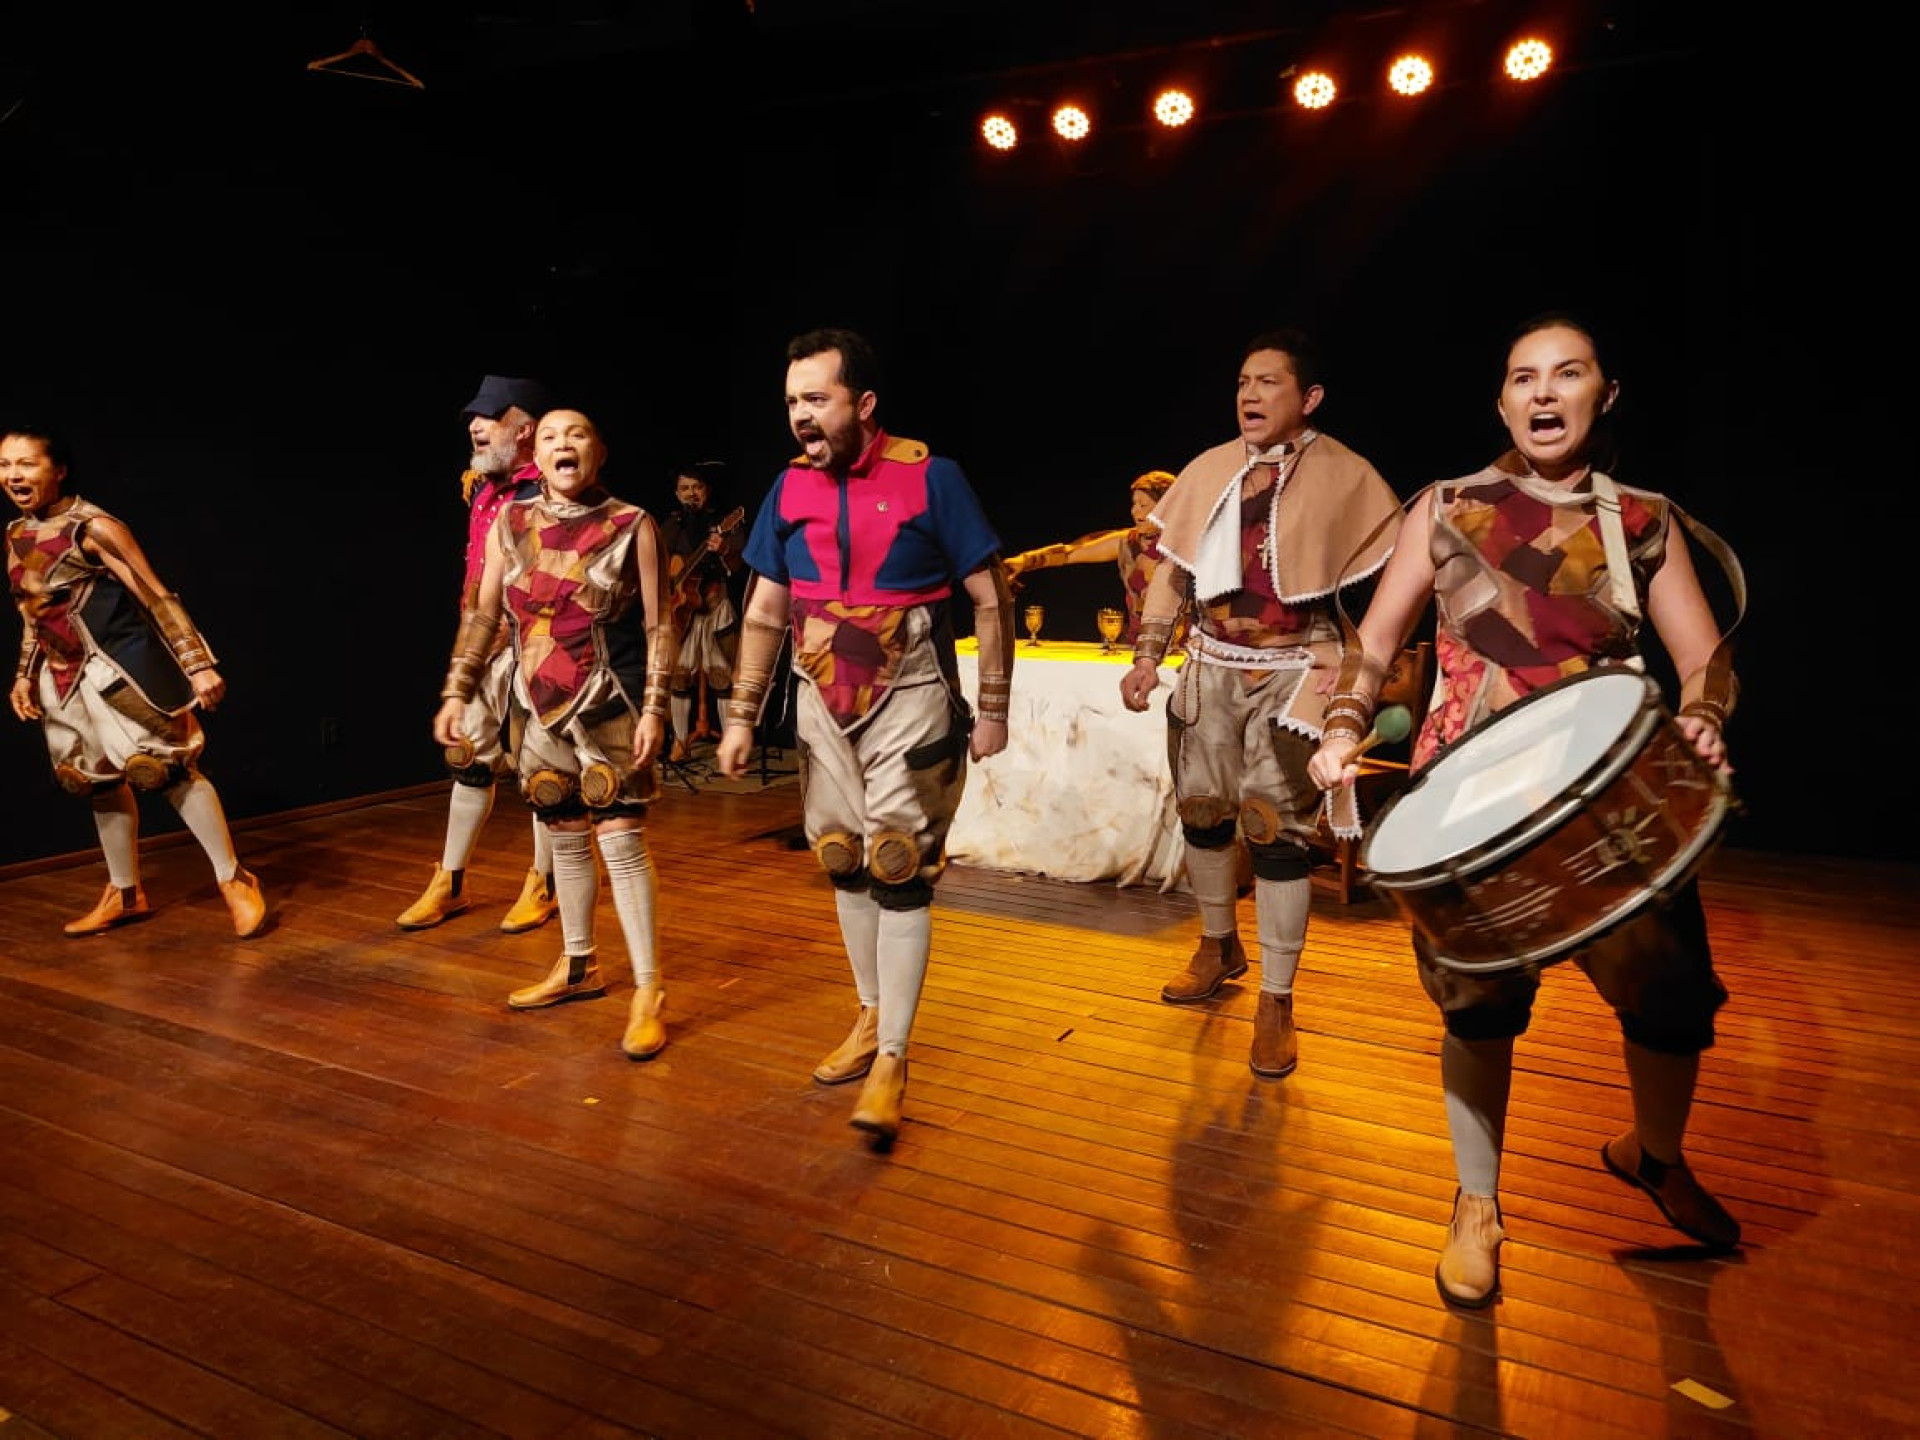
<point>1502,776</point>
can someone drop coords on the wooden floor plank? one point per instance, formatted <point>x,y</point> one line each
<point>325,1182</point>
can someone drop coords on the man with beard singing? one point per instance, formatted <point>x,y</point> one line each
<point>860,547</point>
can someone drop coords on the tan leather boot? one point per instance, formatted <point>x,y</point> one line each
<point>878,1112</point>
<point>537,905</point>
<point>1469,1270</point>
<point>438,902</point>
<point>116,906</point>
<point>646,1033</point>
<point>854,1057</point>
<point>244,902</point>
<point>573,977</point>
<point>1216,960</point>
<point>1275,1050</point>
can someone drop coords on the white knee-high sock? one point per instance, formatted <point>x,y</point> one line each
<point>1477,1076</point>
<point>635,886</point>
<point>467,810</point>
<point>1662,1088</point>
<point>1215,877</point>
<point>680,707</point>
<point>542,848</point>
<point>860,932</point>
<point>905,941</point>
<point>116,816</point>
<point>1280,910</point>
<point>199,805</point>
<point>576,884</point>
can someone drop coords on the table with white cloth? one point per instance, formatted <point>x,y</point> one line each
<point>1082,791</point>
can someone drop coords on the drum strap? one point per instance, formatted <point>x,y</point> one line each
<point>1613,535</point>
<point>1349,628</point>
<point>1714,686</point>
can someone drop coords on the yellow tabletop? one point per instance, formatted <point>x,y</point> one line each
<point>1090,651</point>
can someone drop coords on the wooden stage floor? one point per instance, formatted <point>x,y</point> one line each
<point>325,1183</point>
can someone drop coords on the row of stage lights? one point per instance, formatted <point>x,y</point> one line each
<point>1408,75</point>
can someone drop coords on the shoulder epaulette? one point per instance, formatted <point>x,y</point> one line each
<point>907,452</point>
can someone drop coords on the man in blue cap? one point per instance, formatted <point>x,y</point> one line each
<point>500,424</point>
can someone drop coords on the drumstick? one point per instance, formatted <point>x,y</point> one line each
<point>1390,727</point>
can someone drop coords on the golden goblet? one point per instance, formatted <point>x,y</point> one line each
<point>1111,622</point>
<point>1036,616</point>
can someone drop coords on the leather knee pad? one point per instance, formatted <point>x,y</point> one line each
<point>551,790</point>
<point>1207,813</point>
<point>77,782</point>
<point>840,855</point>
<point>147,773</point>
<point>599,785</point>
<point>894,859</point>
<point>1259,821</point>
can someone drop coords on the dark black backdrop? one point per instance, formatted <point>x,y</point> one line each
<point>258,296</point>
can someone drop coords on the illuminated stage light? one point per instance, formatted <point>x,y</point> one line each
<point>1070,122</point>
<point>1410,75</point>
<point>998,131</point>
<point>1314,90</point>
<point>1528,59</point>
<point>1173,108</point>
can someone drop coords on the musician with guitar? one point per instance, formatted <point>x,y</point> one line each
<point>703,552</point>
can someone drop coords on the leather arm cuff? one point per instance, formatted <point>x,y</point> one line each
<point>472,644</point>
<point>753,670</point>
<point>663,644</point>
<point>1356,693</point>
<point>1153,641</point>
<point>29,654</point>
<point>1710,693</point>
<point>170,617</point>
<point>993,629</point>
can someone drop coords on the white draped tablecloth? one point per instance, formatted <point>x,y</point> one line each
<point>1082,790</point>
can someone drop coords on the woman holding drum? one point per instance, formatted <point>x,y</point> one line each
<point>1543,569</point>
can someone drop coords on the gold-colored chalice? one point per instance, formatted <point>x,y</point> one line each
<point>1113,624</point>
<point>1035,616</point>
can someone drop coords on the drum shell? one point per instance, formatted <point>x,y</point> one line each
<point>1631,830</point>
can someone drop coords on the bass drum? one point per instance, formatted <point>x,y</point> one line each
<point>1557,820</point>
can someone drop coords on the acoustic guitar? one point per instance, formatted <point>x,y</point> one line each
<point>683,590</point>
